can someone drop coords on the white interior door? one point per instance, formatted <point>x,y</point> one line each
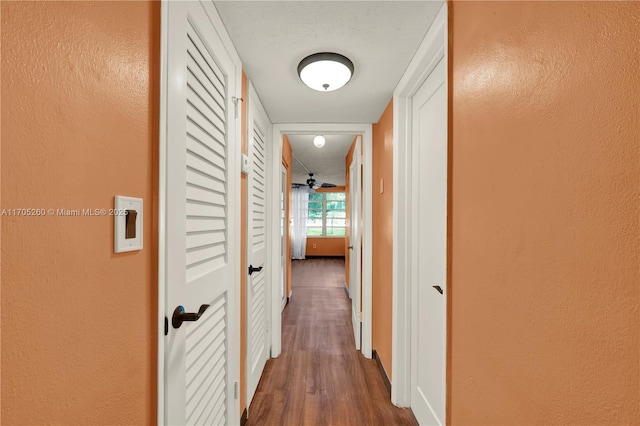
<point>355,187</point>
<point>257,298</point>
<point>201,250</point>
<point>428,386</point>
<point>284,226</point>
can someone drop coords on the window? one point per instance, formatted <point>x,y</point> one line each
<point>327,215</point>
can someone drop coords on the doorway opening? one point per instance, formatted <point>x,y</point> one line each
<point>328,207</point>
<point>325,214</point>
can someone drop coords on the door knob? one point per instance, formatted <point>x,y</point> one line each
<point>179,315</point>
<point>252,269</point>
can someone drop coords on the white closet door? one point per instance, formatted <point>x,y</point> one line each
<point>259,131</point>
<point>201,254</point>
<point>428,362</point>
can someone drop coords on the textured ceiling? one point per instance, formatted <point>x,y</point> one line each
<point>272,37</point>
<point>327,163</point>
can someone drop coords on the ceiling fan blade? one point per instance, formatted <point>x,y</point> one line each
<point>328,185</point>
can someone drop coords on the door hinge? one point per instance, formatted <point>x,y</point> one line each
<point>236,389</point>
<point>360,317</point>
<point>235,100</point>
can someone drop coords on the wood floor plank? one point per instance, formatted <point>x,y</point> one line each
<point>320,378</point>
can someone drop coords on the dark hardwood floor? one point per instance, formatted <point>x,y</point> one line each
<point>320,378</point>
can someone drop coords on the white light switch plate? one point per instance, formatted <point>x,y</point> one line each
<point>246,164</point>
<point>121,206</point>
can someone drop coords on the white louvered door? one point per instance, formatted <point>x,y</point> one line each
<point>201,254</point>
<point>259,130</point>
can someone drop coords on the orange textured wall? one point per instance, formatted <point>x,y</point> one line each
<point>243,249</point>
<point>287,158</point>
<point>79,126</point>
<point>334,189</point>
<point>382,222</point>
<point>325,246</point>
<point>347,239</point>
<point>545,202</point>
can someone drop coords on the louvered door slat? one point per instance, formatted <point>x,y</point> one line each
<point>258,307</point>
<point>203,195</point>
<point>206,360</point>
<point>206,152</point>
<point>204,110</point>
<point>258,193</point>
<point>197,239</point>
<point>211,137</point>
<point>206,168</point>
<point>195,208</point>
<point>201,84</point>
<point>206,61</point>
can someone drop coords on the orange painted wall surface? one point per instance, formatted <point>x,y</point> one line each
<point>325,246</point>
<point>243,250</point>
<point>287,158</point>
<point>347,239</point>
<point>79,126</point>
<point>382,241</point>
<point>334,189</point>
<point>545,201</point>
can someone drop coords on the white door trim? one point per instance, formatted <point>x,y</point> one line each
<point>355,201</point>
<point>234,197</point>
<point>273,257</point>
<point>162,203</point>
<point>432,49</point>
<point>285,219</point>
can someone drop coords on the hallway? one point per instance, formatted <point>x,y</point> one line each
<point>320,379</point>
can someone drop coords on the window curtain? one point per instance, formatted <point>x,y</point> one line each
<point>299,211</point>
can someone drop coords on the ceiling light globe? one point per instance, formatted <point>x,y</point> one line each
<point>319,141</point>
<point>325,72</point>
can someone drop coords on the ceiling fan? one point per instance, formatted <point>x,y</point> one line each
<point>314,184</point>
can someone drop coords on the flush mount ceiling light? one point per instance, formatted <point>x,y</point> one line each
<point>319,141</point>
<point>325,71</point>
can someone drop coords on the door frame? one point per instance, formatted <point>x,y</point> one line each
<point>433,48</point>
<point>355,256</point>
<point>234,197</point>
<point>284,170</point>
<point>279,130</point>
